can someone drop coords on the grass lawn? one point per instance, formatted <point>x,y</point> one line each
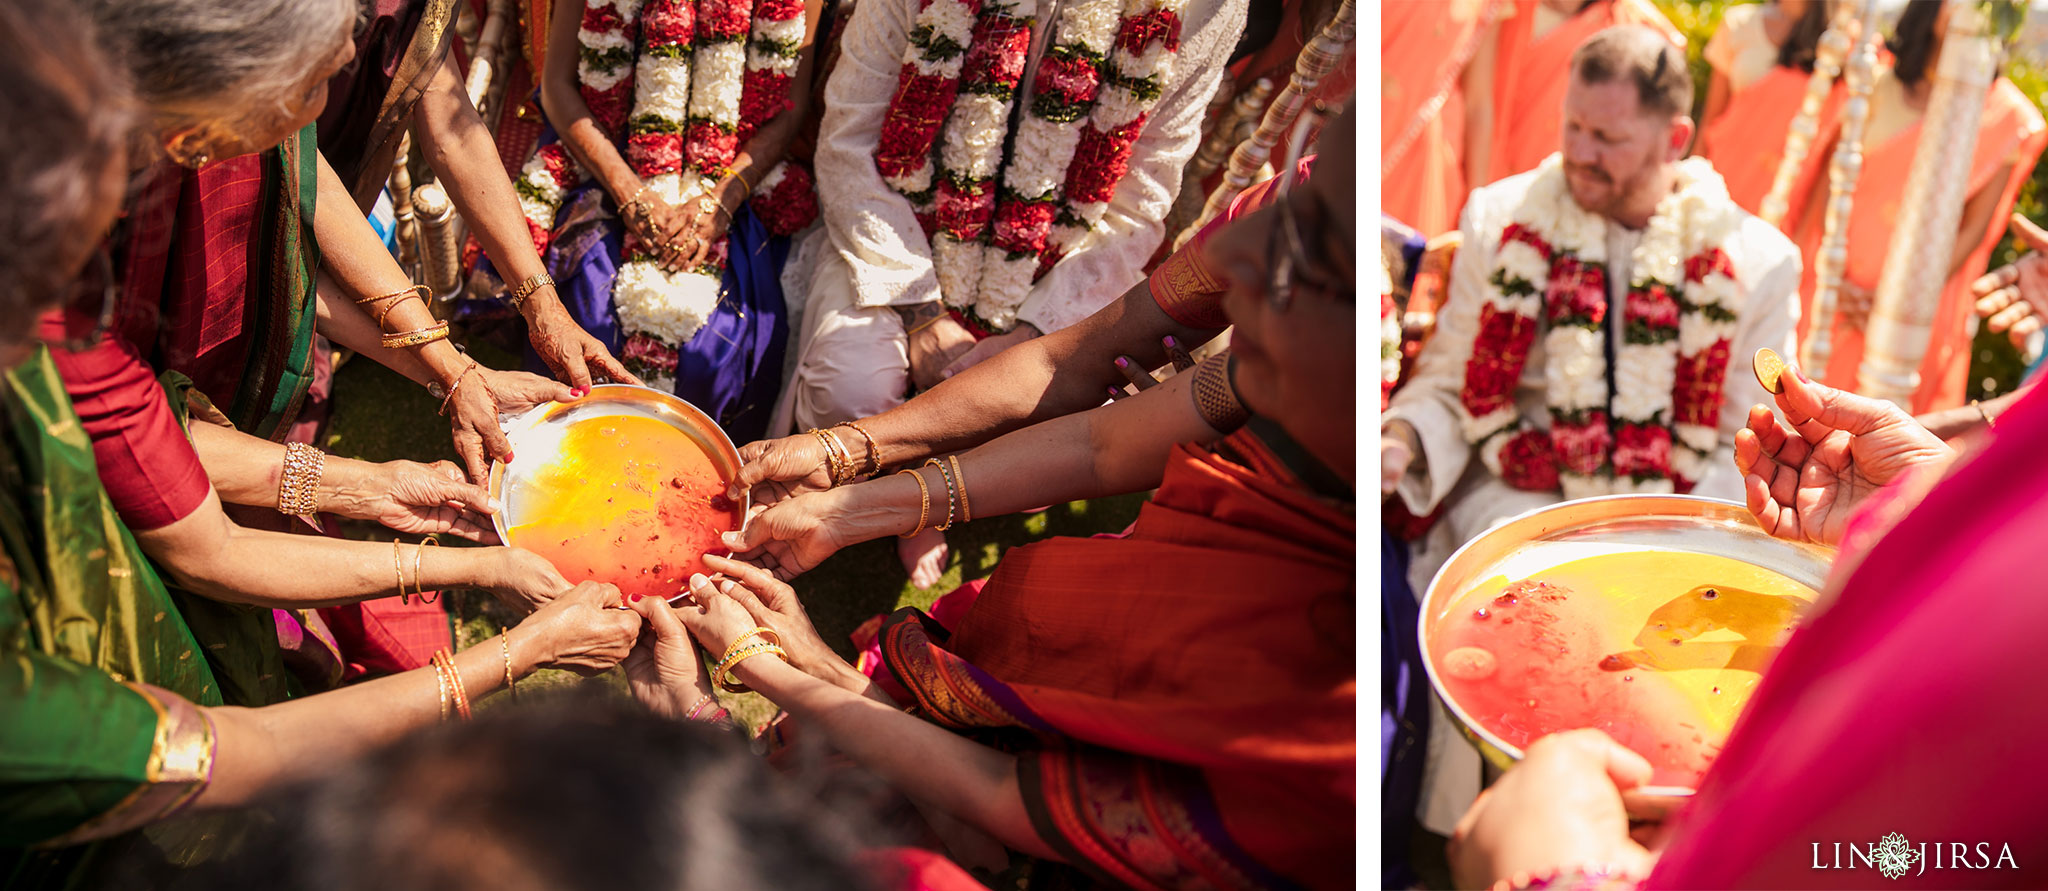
<point>380,416</point>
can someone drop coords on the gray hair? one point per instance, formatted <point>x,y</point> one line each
<point>197,59</point>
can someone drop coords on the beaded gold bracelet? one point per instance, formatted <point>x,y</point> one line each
<point>946,477</point>
<point>511,682</point>
<point>416,337</point>
<point>299,483</point>
<point>924,501</point>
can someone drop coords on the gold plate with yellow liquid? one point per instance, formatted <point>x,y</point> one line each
<point>1642,556</point>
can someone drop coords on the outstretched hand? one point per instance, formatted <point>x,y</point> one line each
<point>2014,298</point>
<point>1560,807</point>
<point>1805,483</point>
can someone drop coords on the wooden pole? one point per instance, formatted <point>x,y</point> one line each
<point>1916,266</point>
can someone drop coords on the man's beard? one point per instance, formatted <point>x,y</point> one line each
<point>1619,195</point>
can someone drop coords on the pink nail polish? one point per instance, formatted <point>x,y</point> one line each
<point>1122,362</point>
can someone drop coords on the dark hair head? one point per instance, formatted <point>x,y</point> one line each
<point>1803,43</point>
<point>585,793</point>
<point>1912,41</point>
<point>1646,59</point>
<point>64,119</point>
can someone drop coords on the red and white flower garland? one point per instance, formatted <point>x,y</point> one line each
<point>703,76</point>
<point>997,223</point>
<point>1679,314</point>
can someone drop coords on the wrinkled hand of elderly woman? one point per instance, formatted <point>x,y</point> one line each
<point>2014,298</point>
<point>522,579</point>
<point>774,469</point>
<point>1805,483</point>
<point>579,631</point>
<point>407,496</point>
<point>796,534</point>
<point>478,401</point>
<point>1559,808</point>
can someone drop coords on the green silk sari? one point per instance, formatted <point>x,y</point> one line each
<point>284,260</point>
<point>102,667</point>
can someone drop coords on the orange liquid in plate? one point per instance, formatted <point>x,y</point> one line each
<point>631,501</point>
<point>1659,649</point>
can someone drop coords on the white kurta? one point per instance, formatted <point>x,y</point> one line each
<point>1767,268</point>
<point>852,360</point>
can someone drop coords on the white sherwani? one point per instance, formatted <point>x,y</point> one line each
<point>1766,267</point>
<point>871,255</point>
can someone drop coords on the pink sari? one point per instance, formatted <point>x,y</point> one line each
<point>1910,705</point>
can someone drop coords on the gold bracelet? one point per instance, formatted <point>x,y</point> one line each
<point>526,289</point>
<point>461,696</point>
<point>747,187</point>
<point>449,397</point>
<point>846,469</point>
<point>747,638</point>
<point>924,501</point>
<point>966,515</point>
<point>416,337</point>
<point>407,290</point>
<point>505,644</point>
<point>398,569</point>
<point>945,476</point>
<point>441,682</point>
<point>1981,410</point>
<point>723,673</point>
<point>299,483</point>
<point>874,452</point>
<point>834,462</point>
<point>417,588</point>
<point>927,323</point>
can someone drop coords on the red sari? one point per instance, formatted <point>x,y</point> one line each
<point>1910,705</point>
<point>1187,692</point>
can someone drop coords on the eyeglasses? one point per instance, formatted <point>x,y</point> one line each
<point>102,269</point>
<point>1280,288</point>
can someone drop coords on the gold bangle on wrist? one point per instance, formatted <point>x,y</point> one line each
<point>1983,412</point>
<point>418,588</point>
<point>526,288</point>
<point>299,484</point>
<point>449,397</point>
<point>441,682</point>
<point>416,337</point>
<point>924,501</point>
<point>398,569</point>
<point>748,638</point>
<point>874,452</point>
<point>723,672</point>
<point>460,695</point>
<point>961,481</point>
<point>505,645</point>
<point>927,323</point>
<point>746,188</point>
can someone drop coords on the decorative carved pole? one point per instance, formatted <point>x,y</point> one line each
<point>1232,127</point>
<point>440,240</point>
<point>1916,266</point>
<point>1843,170</point>
<point>405,228</point>
<point>1317,60</point>
<point>483,66</point>
<point>1827,65</point>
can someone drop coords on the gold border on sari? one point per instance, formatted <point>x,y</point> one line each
<point>423,56</point>
<point>179,767</point>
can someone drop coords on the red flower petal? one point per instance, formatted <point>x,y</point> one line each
<point>964,211</point>
<point>653,154</point>
<point>1100,162</point>
<point>1528,461</point>
<point>1134,33</point>
<point>710,149</point>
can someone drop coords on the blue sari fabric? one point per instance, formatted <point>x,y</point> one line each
<point>1404,712</point>
<point>732,368</point>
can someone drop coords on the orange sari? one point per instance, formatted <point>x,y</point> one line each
<point>1424,47</point>
<point>1530,76</point>
<point>2011,131</point>
<point>1182,699</point>
<point>1746,141</point>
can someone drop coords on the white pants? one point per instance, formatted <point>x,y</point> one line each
<point>851,361</point>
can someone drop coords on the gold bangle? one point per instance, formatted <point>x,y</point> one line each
<point>416,337</point>
<point>505,644</point>
<point>874,452</point>
<point>723,673</point>
<point>1985,413</point>
<point>441,683</point>
<point>417,588</point>
<point>747,638</point>
<point>747,187</point>
<point>449,397</point>
<point>927,323</point>
<point>526,289</point>
<point>398,569</point>
<point>408,289</point>
<point>299,483</point>
<point>946,477</point>
<point>836,463</point>
<point>924,501</point>
<point>966,514</point>
<point>461,696</point>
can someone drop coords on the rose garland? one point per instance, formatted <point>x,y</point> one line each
<point>703,76</point>
<point>1550,277</point>
<point>997,223</point>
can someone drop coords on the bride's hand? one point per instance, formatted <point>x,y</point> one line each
<point>1804,487</point>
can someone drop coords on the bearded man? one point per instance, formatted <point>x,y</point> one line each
<point>1601,319</point>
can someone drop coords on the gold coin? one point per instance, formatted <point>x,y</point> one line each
<point>1770,371</point>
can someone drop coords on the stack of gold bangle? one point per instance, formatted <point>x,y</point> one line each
<point>952,493</point>
<point>417,292</point>
<point>874,453</point>
<point>749,645</point>
<point>304,466</point>
<point>924,502</point>
<point>956,493</point>
<point>416,337</point>
<point>838,461</point>
<point>444,664</point>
